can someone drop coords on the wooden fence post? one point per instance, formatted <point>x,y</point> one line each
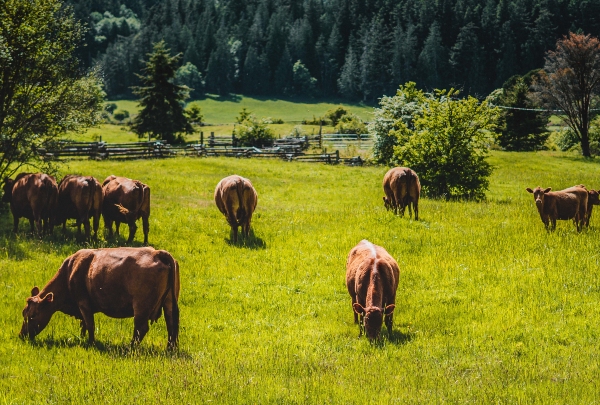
<point>337,156</point>
<point>321,134</point>
<point>201,138</point>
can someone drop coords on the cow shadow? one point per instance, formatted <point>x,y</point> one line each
<point>252,242</point>
<point>122,349</point>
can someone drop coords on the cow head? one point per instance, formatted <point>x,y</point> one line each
<point>373,318</point>
<point>8,186</point>
<point>593,197</point>
<point>538,195</point>
<point>37,313</point>
<point>387,204</point>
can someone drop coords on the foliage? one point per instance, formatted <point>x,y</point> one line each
<point>254,132</point>
<point>243,115</point>
<point>121,115</point>
<point>351,124</point>
<point>448,145</point>
<point>189,75</point>
<point>43,92</point>
<point>304,83</point>
<point>271,321</point>
<point>521,130</point>
<point>393,111</point>
<point>161,99</point>
<point>335,114</point>
<point>570,81</point>
<point>194,114</point>
<point>298,132</point>
<point>110,107</point>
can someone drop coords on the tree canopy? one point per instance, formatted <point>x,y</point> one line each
<point>44,92</point>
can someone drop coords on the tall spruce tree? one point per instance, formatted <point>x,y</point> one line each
<point>162,115</point>
<point>432,62</point>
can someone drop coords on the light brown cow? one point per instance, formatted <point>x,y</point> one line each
<point>126,200</point>
<point>372,280</point>
<point>32,196</point>
<point>120,283</point>
<point>236,198</point>
<point>80,198</point>
<point>561,205</point>
<point>402,188</point>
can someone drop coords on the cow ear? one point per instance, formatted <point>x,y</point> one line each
<point>35,291</point>
<point>547,190</point>
<point>49,297</point>
<point>358,308</point>
<point>389,309</point>
<point>530,190</point>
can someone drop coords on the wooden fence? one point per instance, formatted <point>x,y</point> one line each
<point>290,151</point>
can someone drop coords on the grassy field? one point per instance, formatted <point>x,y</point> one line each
<point>490,308</point>
<point>224,111</point>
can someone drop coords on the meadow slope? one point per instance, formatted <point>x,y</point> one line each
<point>490,308</point>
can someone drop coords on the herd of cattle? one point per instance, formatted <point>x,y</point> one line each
<point>144,282</point>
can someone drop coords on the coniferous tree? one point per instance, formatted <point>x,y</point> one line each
<point>465,60</point>
<point>284,74</point>
<point>256,72</point>
<point>349,80</point>
<point>219,72</point>
<point>162,115</point>
<point>432,62</point>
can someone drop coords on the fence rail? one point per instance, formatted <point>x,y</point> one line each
<point>290,151</point>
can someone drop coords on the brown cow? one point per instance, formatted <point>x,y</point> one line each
<point>402,188</point>
<point>236,198</point>
<point>120,283</point>
<point>561,205</point>
<point>32,196</point>
<point>593,199</point>
<point>79,198</point>
<point>372,280</point>
<point>126,200</point>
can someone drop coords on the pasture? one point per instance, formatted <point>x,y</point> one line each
<point>490,307</point>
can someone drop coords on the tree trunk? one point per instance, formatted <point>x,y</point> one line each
<point>585,142</point>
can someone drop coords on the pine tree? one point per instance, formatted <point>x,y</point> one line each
<point>348,82</point>
<point>374,63</point>
<point>219,73</point>
<point>256,72</point>
<point>284,74</point>
<point>161,114</point>
<point>432,63</point>
<point>465,60</point>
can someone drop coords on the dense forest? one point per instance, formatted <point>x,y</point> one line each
<point>356,49</point>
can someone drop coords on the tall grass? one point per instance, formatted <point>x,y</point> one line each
<point>491,308</point>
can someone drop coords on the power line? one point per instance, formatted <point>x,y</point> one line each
<point>534,109</point>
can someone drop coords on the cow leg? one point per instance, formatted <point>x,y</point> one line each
<point>117,226</point>
<point>234,227</point>
<point>32,226</point>
<point>88,319</point>
<point>132,229</point>
<point>83,327</point>
<point>86,227</point>
<point>172,319</point>
<point>553,224</point>
<point>140,328</point>
<point>145,227</point>
<point>38,224</point>
<point>389,321</point>
<point>64,231</point>
<point>416,208</point>
<point>409,210</point>
<point>96,224</point>
<point>108,225</point>
<point>15,224</point>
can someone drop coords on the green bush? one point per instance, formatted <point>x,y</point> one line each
<point>121,115</point>
<point>110,107</point>
<point>351,124</point>
<point>253,132</point>
<point>448,145</point>
<point>335,114</point>
<point>194,114</point>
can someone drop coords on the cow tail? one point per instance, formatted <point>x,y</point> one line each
<point>173,277</point>
<point>241,214</point>
<point>92,186</point>
<point>410,179</point>
<point>140,187</point>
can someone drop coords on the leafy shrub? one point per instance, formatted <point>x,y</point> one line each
<point>253,132</point>
<point>314,121</point>
<point>394,112</point>
<point>110,107</point>
<point>304,83</point>
<point>335,114</point>
<point>270,120</point>
<point>448,144</point>
<point>194,114</point>
<point>244,115</point>
<point>189,75</point>
<point>121,115</point>
<point>566,139</point>
<point>298,132</point>
<point>351,124</point>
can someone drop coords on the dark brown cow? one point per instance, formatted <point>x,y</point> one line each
<point>561,205</point>
<point>120,283</point>
<point>32,196</point>
<point>402,188</point>
<point>593,199</point>
<point>236,198</point>
<point>126,200</point>
<point>79,198</point>
<point>372,280</point>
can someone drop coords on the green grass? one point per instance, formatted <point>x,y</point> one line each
<point>224,111</point>
<point>490,308</point>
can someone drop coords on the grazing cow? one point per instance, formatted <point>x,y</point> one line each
<point>120,283</point>
<point>562,205</point>
<point>372,280</point>
<point>236,198</point>
<point>126,200</point>
<point>32,196</point>
<point>402,188</point>
<point>593,199</point>
<point>79,198</point>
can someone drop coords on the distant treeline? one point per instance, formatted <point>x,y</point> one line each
<point>358,49</point>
